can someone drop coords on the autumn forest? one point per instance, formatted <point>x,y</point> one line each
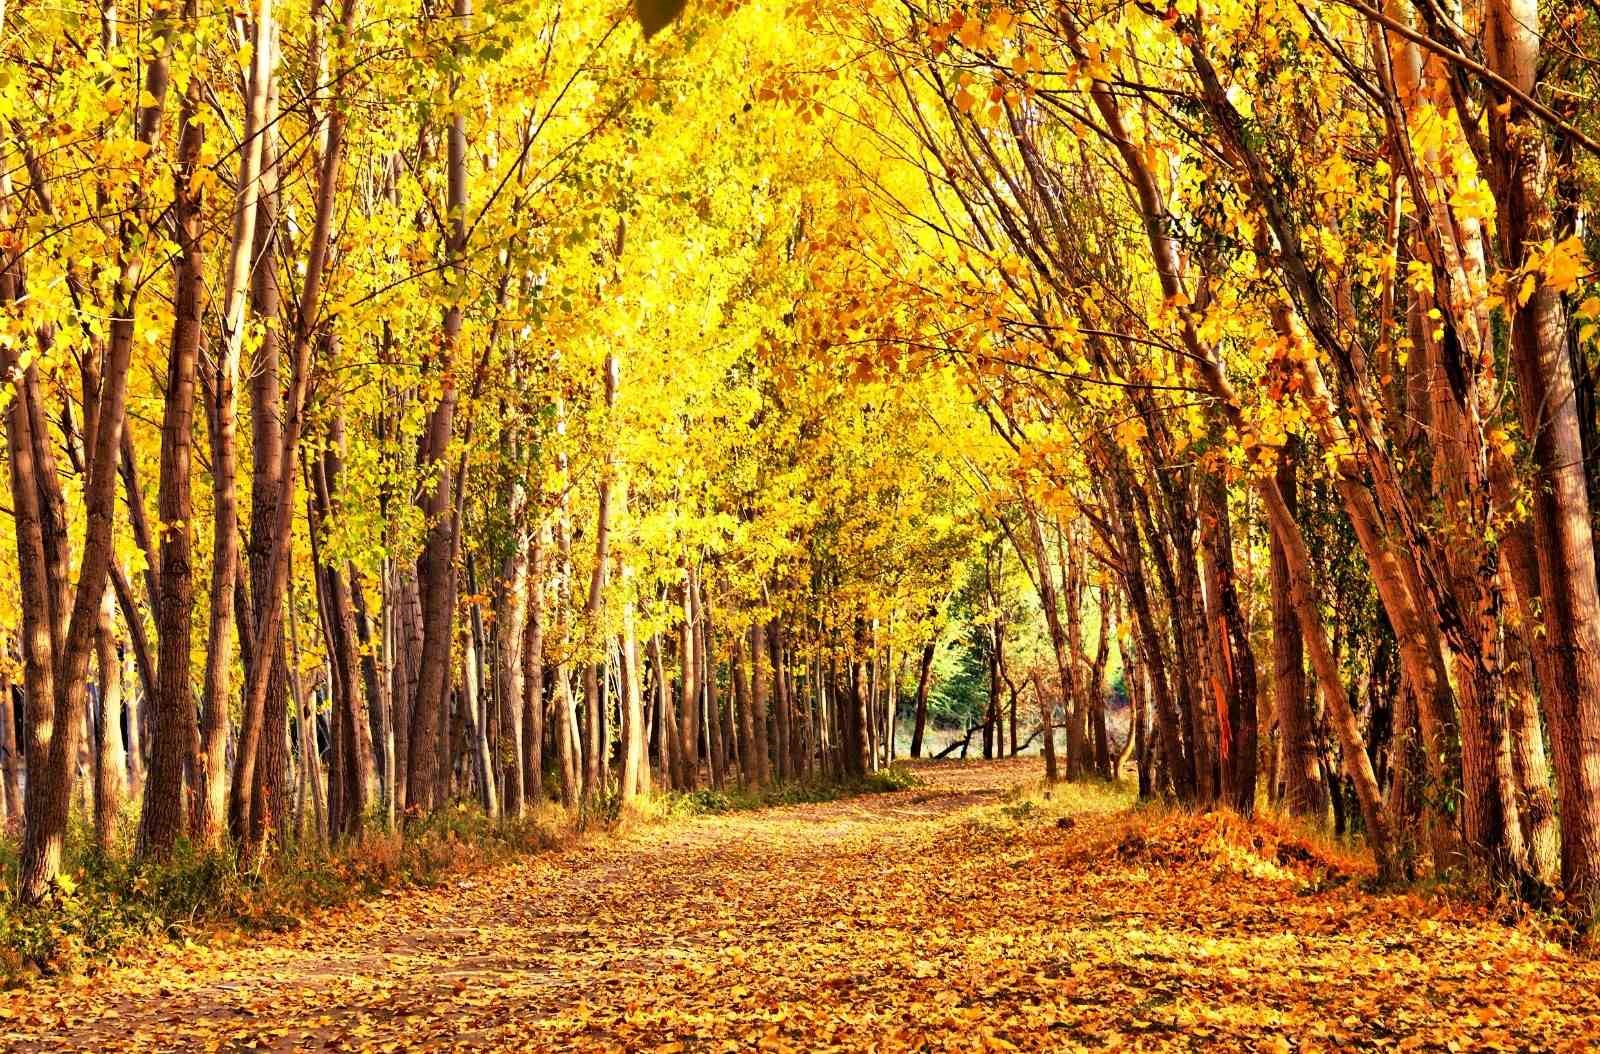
<point>799,525</point>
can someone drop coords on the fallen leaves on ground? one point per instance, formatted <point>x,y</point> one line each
<point>945,917</point>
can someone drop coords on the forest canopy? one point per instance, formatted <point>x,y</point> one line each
<point>518,400</point>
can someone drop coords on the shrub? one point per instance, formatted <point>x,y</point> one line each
<point>103,902</point>
<point>894,778</point>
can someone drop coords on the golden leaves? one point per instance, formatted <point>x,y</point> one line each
<point>897,922</point>
<point>973,29</point>
<point>1129,432</point>
<point>1562,266</point>
<point>1473,199</point>
<point>1565,264</point>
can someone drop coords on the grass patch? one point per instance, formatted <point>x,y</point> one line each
<point>708,802</point>
<point>1037,804</point>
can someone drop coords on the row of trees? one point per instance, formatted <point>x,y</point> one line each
<point>1309,279</point>
<point>402,408</point>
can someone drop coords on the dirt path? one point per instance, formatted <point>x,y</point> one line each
<point>935,918</point>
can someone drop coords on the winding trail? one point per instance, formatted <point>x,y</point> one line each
<point>936,918</point>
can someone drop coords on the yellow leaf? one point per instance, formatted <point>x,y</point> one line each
<point>1565,264</point>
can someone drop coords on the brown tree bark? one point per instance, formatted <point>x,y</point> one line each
<point>565,716</point>
<point>1100,736</point>
<point>210,798</point>
<point>1049,598</point>
<point>594,672</point>
<point>1304,793</point>
<point>783,754</point>
<point>57,677</point>
<point>375,683</point>
<point>749,771</point>
<point>857,760</point>
<point>511,619</point>
<point>1077,706</point>
<point>1236,661</point>
<point>635,776</point>
<point>1564,538</point>
<point>10,756</point>
<point>349,699</point>
<point>667,741</point>
<point>758,758</point>
<point>688,747</point>
<point>256,799</point>
<point>110,759</point>
<point>476,708</point>
<point>1052,772</point>
<point>435,566</point>
<point>708,681</point>
<point>1165,254</point>
<point>177,736</point>
<point>533,667</point>
<point>1151,638</point>
<point>1536,807</point>
<point>924,678</point>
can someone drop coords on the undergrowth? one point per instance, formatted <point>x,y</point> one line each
<point>106,903</point>
<point>707,802</point>
<point>1105,821</point>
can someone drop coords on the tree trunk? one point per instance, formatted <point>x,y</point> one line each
<point>856,758</point>
<point>1237,664</point>
<point>10,758</point>
<point>435,567</point>
<point>1143,754</point>
<point>708,679</point>
<point>688,688</point>
<point>110,760</point>
<point>1151,637</point>
<point>362,773</point>
<point>177,737</point>
<point>1049,598</point>
<point>783,754</point>
<point>1304,794</point>
<point>749,774</point>
<point>53,642</point>
<point>256,798</point>
<point>132,705</point>
<point>1564,539</point>
<point>1169,266</point>
<point>375,683</point>
<point>635,780</point>
<point>760,760</point>
<point>210,798</point>
<point>1536,804</point>
<point>924,676</point>
<point>1052,772</point>
<point>511,618</point>
<point>1104,763</point>
<point>668,745</point>
<point>533,667</point>
<point>565,716</point>
<point>730,708</point>
<point>477,708</point>
<point>1075,696</point>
